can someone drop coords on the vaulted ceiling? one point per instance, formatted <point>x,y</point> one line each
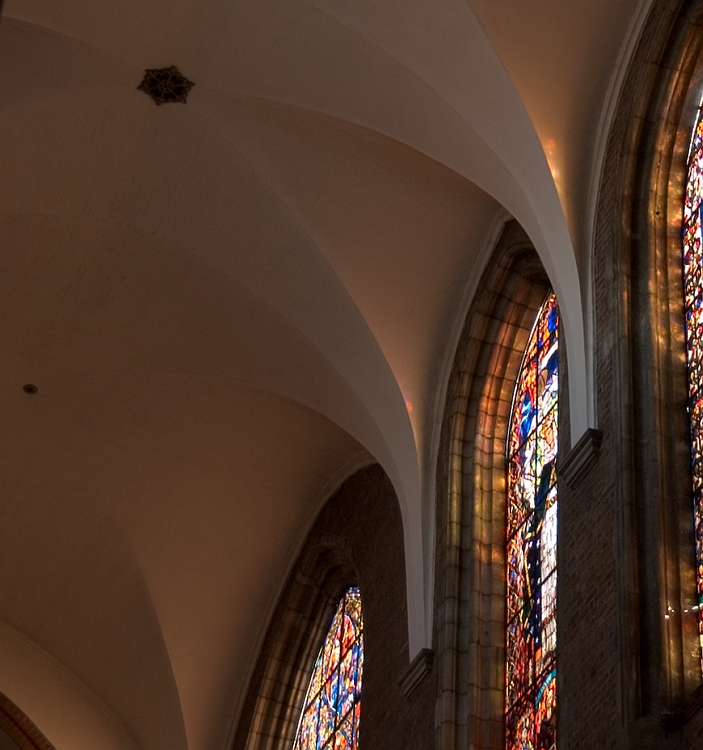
<point>230,305</point>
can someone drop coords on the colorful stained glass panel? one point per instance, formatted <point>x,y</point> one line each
<point>332,706</point>
<point>531,528</point>
<point>693,303</point>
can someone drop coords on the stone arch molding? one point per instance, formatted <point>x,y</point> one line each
<point>640,354</point>
<point>20,728</point>
<point>298,629</point>
<point>63,711</point>
<point>472,476</point>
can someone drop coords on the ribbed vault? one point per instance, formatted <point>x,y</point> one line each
<point>230,305</point>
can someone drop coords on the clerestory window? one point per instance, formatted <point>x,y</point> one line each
<point>693,303</point>
<point>531,533</point>
<point>332,706</point>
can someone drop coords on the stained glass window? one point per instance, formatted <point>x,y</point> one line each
<point>531,523</point>
<point>332,706</point>
<point>693,302</point>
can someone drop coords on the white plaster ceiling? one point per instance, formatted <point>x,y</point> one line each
<point>231,304</point>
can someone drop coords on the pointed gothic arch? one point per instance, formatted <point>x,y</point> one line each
<point>472,472</point>
<point>356,528</point>
<point>640,355</point>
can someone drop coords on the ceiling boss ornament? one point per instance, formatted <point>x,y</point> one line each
<point>165,85</point>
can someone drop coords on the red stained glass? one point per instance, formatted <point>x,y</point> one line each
<point>693,302</point>
<point>531,528</point>
<point>332,706</point>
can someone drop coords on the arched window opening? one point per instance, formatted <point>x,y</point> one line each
<point>693,302</point>
<point>531,533</point>
<point>332,705</point>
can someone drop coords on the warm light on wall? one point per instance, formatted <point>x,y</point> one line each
<point>551,152</point>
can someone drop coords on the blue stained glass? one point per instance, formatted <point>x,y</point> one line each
<point>531,532</point>
<point>332,705</point>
